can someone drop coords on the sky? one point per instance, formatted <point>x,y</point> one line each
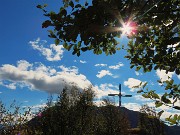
<point>32,67</point>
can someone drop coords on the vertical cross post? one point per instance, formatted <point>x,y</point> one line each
<point>120,95</point>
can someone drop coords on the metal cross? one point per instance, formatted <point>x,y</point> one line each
<point>120,95</point>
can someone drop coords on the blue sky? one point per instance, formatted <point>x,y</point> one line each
<point>31,66</point>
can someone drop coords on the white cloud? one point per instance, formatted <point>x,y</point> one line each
<point>132,106</point>
<point>131,82</point>
<point>53,53</point>
<point>105,89</point>
<point>100,65</point>
<point>72,69</point>
<point>9,86</point>
<point>141,98</point>
<point>81,61</point>
<point>39,106</point>
<point>138,73</point>
<point>99,103</point>
<point>0,92</point>
<point>163,76</point>
<point>103,73</point>
<point>116,66</point>
<point>23,65</point>
<point>108,85</point>
<point>39,77</point>
<point>167,110</point>
<point>167,114</point>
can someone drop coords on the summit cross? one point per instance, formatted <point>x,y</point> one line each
<point>120,95</point>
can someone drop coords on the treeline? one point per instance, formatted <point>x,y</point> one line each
<point>74,113</point>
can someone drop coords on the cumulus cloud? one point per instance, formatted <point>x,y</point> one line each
<point>131,82</point>
<point>105,89</point>
<point>9,86</point>
<point>163,76</point>
<point>116,66</point>
<point>100,65</point>
<point>103,73</point>
<point>81,61</point>
<point>40,77</point>
<point>106,86</point>
<point>53,53</point>
<point>141,98</point>
<point>132,106</point>
<point>72,69</point>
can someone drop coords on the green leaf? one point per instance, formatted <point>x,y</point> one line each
<point>165,100</point>
<point>79,44</point>
<point>144,85</point>
<point>63,12</point>
<point>178,118</point>
<point>171,81</point>
<point>39,6</point>
<point>74,52</point>
<point>57,41</point>
<point>86,4</point>
<point>176,107</point>
<point>155,96</point>
<point>77,6</point>
<point>138,68</point>
<point>175,117</point>
<point>78,53</point>
<point>139,91</point>
<point>71,4</point>
<point>158,104</point>
<point>52,35</point>
<point>159,81</point>
<point>145,95</point>
<point>84,49</point>
<point>160,113</point>
<point>69,47</point>
<point>131,66</point>
<point>65,45</point>
<point>46,24</point>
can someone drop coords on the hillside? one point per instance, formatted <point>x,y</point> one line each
<point>133,118</point>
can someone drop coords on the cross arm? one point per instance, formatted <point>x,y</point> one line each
<point>127,96</point>
<point>113,94</point>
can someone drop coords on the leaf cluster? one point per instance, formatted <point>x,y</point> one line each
<point>170,98</point>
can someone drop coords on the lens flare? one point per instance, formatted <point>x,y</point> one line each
<point>129,28</point>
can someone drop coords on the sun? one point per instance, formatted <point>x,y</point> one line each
<point>128,28</point>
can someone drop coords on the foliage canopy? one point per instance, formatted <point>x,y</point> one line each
<point>95,26</point>
<point>154,42</point>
